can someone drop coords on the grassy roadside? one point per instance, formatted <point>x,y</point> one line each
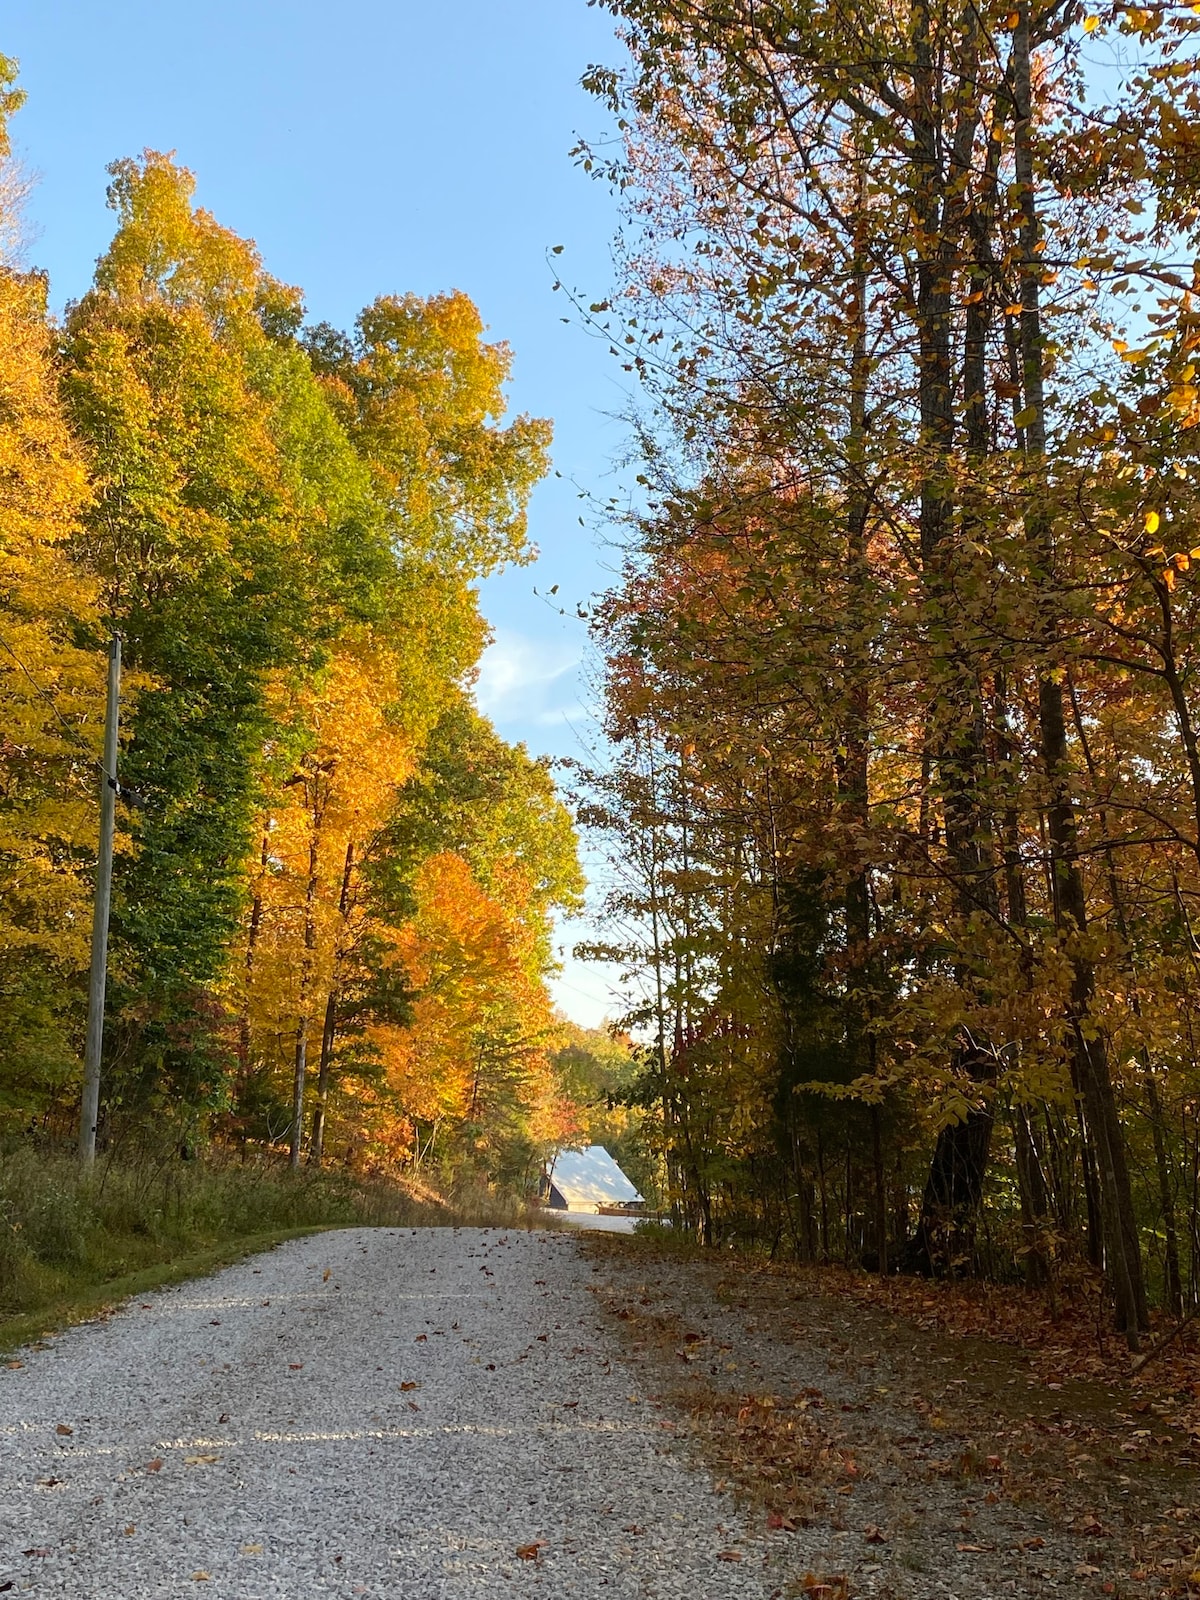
<point>73,1243</point>
<point>84,1302</point>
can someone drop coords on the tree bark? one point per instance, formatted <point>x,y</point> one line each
<point>1122,1248</point>
<point>329,1030</point>
<point>954,1189</point>
<point>300,1068</point>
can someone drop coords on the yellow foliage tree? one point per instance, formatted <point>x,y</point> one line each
<point>474,1057</point>
<point>350,753</point>
<point>51,700</point>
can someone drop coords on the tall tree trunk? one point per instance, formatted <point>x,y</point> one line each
<point>300,1067</point>
<point>853,767</point>
<point>953,1190</point>
<point>1099,1108</point>
<point>329,1030</point>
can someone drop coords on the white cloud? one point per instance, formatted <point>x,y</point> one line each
<point>516,672</point>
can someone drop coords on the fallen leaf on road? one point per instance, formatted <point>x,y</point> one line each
<point>200,1577</point>
<point>224,1417</point>
<point>295,1366</point>
<point>49,1483</point>
<point>327,1274</point>
<point>422,1338</point>
<point>874,1535</point>
<point>200,1461</point>
<point>405,1387</point>
<point>37,1550</point>
<point>252,1549</point>
<point>130,1529</point>
<point>530,1552</point>
<point>729,1555</point>
<point>64,1430</point>
<point>974,1549</point>
<point>155,1465</point>
<point>835,1588</point>
<point>12,1367</point>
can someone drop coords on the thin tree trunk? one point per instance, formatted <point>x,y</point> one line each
<point>853,769</point>
<point>299,1073</point>
<point>1035,1202</point>
<point>1172,1281</point>
<point>252,933</point>
<point>300,1070</point>
<point>329,1030</point>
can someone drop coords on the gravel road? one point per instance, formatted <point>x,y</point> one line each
<point>438,1414</point>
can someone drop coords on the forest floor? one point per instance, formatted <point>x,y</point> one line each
<point>905,1448</point>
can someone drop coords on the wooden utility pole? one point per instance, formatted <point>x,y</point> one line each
<point>90,1109</point>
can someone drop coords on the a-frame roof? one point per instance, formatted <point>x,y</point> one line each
<point>591,1177</point>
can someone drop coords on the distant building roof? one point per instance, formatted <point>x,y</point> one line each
<point>586,1178</point>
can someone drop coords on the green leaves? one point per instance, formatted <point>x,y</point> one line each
<point>422,398</point>
<point>11,99</point>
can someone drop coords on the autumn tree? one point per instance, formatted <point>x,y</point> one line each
<point>862,250</point>
<point>332,863</point>
<point>51,687</point>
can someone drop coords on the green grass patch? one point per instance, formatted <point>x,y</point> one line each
<point>72,1242</point>
<point>86,1302</point>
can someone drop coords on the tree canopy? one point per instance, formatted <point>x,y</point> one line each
<point>334,881</point>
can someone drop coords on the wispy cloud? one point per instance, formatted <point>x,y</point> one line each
<point>516,672</point>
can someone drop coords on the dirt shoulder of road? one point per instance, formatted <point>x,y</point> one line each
<point>934,1459</point>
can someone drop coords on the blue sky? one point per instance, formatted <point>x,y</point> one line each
<point>372,147</point>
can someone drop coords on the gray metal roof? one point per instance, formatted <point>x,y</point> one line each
<point>591,1178</point>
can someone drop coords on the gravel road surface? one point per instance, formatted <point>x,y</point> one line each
<point>438,1414</point>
